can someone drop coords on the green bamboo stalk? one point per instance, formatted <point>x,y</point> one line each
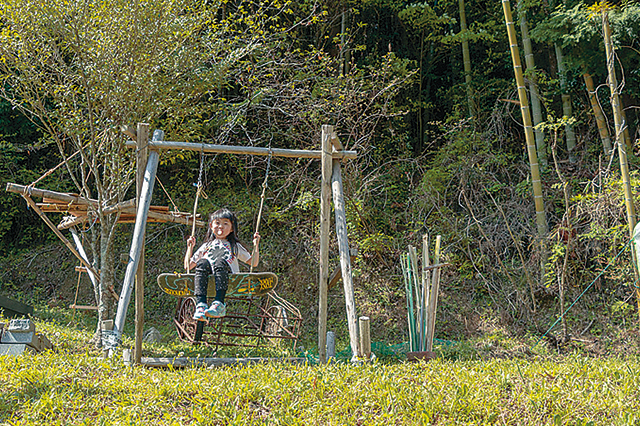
<point>598,114</point>
<point>426,279</point>
<point>541,217</point>
<point>620,125</point>
<point>536,108</point>
<point>410,317</point>
<point>466,57</point>
<point>417,297</point>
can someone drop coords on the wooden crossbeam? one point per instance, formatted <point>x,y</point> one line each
<point>247,150</point>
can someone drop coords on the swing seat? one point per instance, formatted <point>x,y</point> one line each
<point>243,284</point>
<point>255,312</point>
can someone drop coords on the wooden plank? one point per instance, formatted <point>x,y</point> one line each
<point>325,213</point>
<point>246,150</point>
<point>83,307</point>
<point>43,193</point>
<point>13,307</point>
<point>62,208</point>
<point>345,261</point>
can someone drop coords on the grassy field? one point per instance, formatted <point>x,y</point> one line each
<point>72,385</point>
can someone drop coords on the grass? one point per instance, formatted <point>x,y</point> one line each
<point>72,385</point>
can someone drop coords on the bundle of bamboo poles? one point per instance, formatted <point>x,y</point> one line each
<point>422,286</point>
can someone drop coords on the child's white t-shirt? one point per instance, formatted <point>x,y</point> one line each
<point>216,248</point>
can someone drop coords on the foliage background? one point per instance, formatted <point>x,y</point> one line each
<point>388,75</point>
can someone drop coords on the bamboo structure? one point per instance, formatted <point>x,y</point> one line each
<point>541,218</point>
<point>422,285</point>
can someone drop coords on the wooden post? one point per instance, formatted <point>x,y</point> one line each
<point>331,345</point>
<point>138,235</point>
<point>365,338</point>
<point>141,164</point>
<point>345,260</point>
<point>325,212</point>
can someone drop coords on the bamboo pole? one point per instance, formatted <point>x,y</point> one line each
<point>405,259</point>
<point>426,279</point>
<point>603,130</point>
<point>536,108</point>
<point>433,302</point>
<point>247,150</point>
<point>43,193</point>
<point>142,154</point>
<point>345,258</point>
<point>541,218</point>
<point>138,235</point>
<point>466,56</point>
<point>121,206</point>
<point>567,110</point>
<point>325,212</point>
<point>619,128</point>
<point>417,298</point>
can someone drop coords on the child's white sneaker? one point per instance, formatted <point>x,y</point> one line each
<point>200,313</point>
<point>217,310</point>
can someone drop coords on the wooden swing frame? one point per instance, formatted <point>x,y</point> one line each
<point>331,154</point>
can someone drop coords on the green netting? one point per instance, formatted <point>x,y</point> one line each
<point>382,350</point>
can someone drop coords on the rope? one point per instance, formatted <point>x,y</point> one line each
<point>175,208</point>
<point>54,169</point>
<point>585,290</point>
<point>195,208</point>
<point>265,184</point>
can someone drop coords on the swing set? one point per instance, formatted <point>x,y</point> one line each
<point>255,312</point>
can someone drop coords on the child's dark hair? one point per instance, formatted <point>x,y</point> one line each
<point>225,213</point>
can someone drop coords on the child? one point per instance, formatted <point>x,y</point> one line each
<point>218,256</point>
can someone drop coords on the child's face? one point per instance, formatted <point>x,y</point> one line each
<point>221,228</point>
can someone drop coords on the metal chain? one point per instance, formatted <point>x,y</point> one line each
<point>265,184</point>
